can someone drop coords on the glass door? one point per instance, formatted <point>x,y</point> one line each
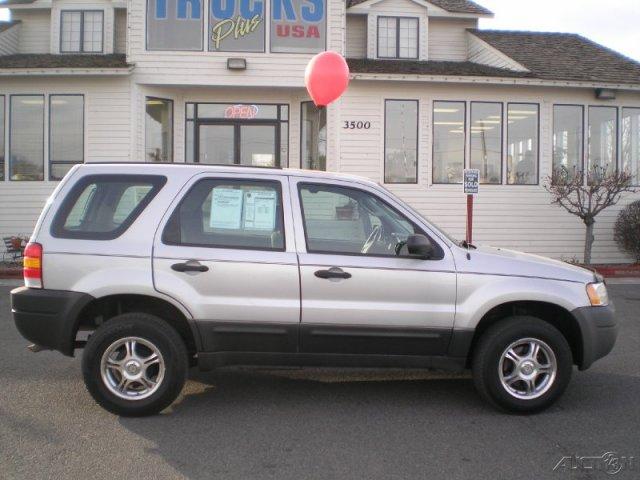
<point>238,143</point>
<point>216,144</point>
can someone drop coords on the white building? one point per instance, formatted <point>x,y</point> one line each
<point>221,81</point>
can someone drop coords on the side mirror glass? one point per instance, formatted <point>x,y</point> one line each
<point>419,246</point>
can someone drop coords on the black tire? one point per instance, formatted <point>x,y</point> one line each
<point>488,352</point>
<point>153,330</point>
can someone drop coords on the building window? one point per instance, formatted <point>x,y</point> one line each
<point>631,142</point>
<point>26,137</point>
<point>81,31</point>
<point>486,141</point>
<point>313,136</point>
<point>522,143</point>
<point>449,119</point>
<point>603,139</point>
<point>401,141</point>
<point>2,109</point>
<point>397,37</point>
<point>568,140</point>
<point>66,134</point>
<point>159,130</point>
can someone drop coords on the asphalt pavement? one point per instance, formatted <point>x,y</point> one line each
<point>242,424</point>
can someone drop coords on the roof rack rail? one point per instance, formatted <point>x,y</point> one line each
<point>185,163</point>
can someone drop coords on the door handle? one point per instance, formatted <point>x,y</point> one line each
<point>189,267</point>
<point>332,273</point>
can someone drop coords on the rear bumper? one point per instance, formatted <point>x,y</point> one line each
<point>48,317</point>
<point>599,330</point>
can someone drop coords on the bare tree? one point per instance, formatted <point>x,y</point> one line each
<point>586,199</point>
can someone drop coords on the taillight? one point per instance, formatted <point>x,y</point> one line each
<point>32,270</point>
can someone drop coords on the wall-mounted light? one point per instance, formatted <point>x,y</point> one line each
<point>237,63</point>
<point>605,94</point>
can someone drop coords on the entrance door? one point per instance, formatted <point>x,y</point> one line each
<point>238,143</point>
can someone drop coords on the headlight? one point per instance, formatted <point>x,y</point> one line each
<point>598,295</point>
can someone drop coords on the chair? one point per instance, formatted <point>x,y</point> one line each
<point>13,247</point>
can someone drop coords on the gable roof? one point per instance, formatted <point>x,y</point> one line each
<point>37,60</point>
<point>7,3</point>
<point>453,6</point>
<point>563,56</point>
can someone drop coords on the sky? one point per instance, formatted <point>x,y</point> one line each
<point>613,23</point>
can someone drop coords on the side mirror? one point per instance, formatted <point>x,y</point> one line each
<point>419,246</point>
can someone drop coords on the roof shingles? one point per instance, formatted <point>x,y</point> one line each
<point>37,60</point>
<point>563,56</point>
<point>453,6</point>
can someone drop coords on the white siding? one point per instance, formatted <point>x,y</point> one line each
<point>35,30</point>
<point>209,68</point>
<point>397,8</point>
<point>516,217</point>
<point>107,138</point>
<point>356,36</point>
<point>9,40</point>
<point>120,31</point>
<point>448,38</point>
<point>481,52</point>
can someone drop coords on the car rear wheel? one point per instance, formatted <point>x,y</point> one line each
<point>522,364</point>
<point>135,365</point>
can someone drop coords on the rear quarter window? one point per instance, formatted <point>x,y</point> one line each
<point>103,207</point>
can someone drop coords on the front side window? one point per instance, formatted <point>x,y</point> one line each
<point>102,207</point>
<point>631,142</point>
<point>603,134</point>
<point>486,141</point>
<point>159,130</point>
<point>522,143</point>
<point>26,137</point>
<point>219,213</point>
<point>401,141</point>
<point>313,136</point>
<point>81,31</point>
<point>397,37</point>
<point>347,221</point>
<point>568,140</point>
<point>448,141</point>
<point>66,133</point>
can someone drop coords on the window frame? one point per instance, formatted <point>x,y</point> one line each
<point>302,109</point>
<point>57,229</point>
<point>635,181</point>
<point>44,133</point>
<point>583,132</point>
<point>397,21</point>
<point>433,136</point>
<point>51,162</point>
<point>618,133</point>
<point>4,172</point>
<point>384,141</point>
<point>502,137</point>
<point>171,148</point>
<point>505,181</point>
<point>242,181</point>
<point>81,45</point>
<point>438,250</point>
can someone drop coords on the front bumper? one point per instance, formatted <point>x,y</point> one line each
<point>599,331</point>
<point>48,318</point>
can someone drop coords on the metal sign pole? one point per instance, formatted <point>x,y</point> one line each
<point>470,219</point>
<point>471,184</point>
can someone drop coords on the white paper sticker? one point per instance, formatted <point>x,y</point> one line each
<point>260,210</point>
<point>226,208</point>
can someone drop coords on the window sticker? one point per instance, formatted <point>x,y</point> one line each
<point>226,208</point>
<point>260,210</point>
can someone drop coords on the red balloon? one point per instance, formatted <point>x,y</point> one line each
<point>326,77</point>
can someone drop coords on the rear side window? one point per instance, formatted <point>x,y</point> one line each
<point>217,213</point>
<point>102,207</point>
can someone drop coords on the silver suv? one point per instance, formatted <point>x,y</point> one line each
<point>172,266</point>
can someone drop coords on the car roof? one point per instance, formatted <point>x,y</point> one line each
<point>127,167</point>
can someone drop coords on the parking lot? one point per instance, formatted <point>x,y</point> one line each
<point>298,425</point>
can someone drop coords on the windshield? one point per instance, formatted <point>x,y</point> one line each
<point>439,230</point>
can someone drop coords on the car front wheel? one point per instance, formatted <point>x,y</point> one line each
<point>522,364</point>
<point>135,364</point>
